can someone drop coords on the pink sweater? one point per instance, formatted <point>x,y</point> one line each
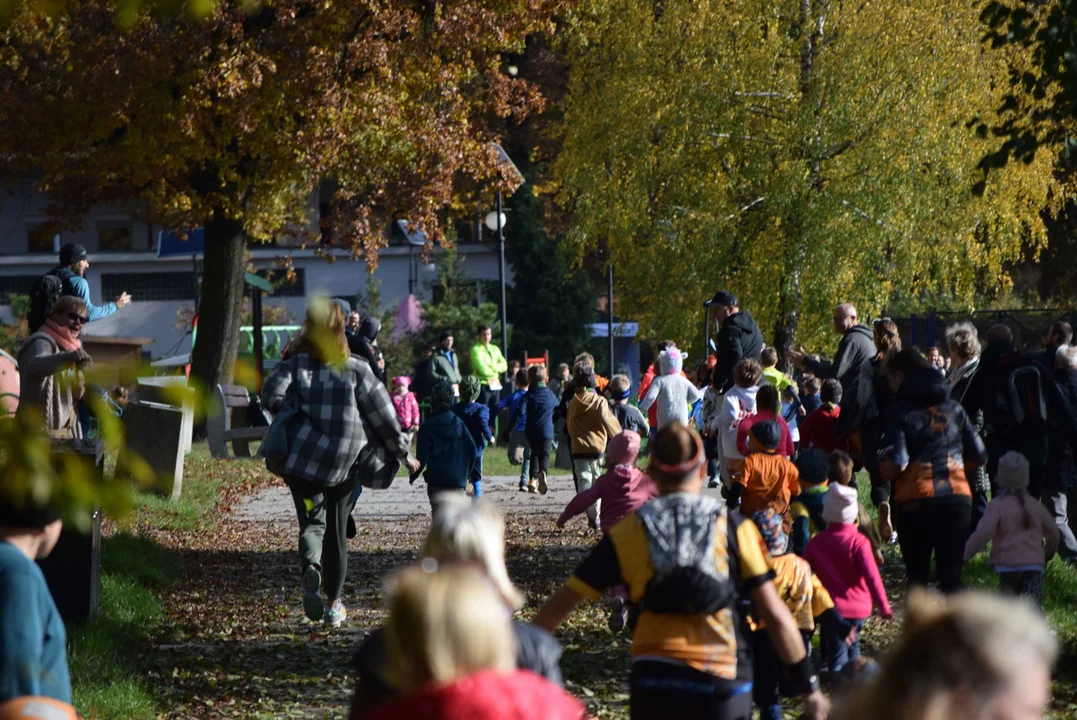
<point>842,559</point>
<point>623,489</point>
<point>1012,545</point>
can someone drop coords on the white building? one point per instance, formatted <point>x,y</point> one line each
<point>123,258</point>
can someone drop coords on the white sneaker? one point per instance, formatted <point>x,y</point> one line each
<point>336,614</point>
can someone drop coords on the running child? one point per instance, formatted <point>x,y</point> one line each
<point>672,391</point>
<point>623,489</point>
<point>476,417</point>
<point>737,405</point>
<point>537,408</point>
<point>844,562</point>
<point>629,416</point>
<point>519,449</point>
<point>590,424</point>
<point>1022,533</point>
<point>766,479</point>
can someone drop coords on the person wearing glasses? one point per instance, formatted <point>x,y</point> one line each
<point>51,366</point>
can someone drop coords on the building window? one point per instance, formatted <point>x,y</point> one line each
<point>15,285</point>
<point>115,236</point>
<point>281,286</point>
<point>148,285</point>
<point>41,238</point>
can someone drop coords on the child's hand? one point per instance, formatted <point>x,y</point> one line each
<point>887,617</point>
<point>852,636</point>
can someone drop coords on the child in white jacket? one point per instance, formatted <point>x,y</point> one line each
<point>737,404</point>
<point>674,392</point>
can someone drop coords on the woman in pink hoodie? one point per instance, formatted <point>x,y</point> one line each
<point>843,560</point>
<point>622,489</point>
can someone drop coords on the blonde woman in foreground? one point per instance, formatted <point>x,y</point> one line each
<point>451,653</point>
<point>975,656</point>
<point>469,533</point>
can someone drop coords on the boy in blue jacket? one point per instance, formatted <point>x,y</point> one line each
<point>538,406</point>
<point>517,434</point>
<point>476,417</point>
<point>445,451</point>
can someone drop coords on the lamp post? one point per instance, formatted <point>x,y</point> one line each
<point>609,314</point>
<point>496,222</point>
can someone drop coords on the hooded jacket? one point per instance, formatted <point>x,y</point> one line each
<point>446,450</point>
<point>362,344</point>
<point>445,365</point>
<point>738,338</point>
<point>856,349</point>
<point>622,490</point>
<point>590,424</point>
<point>929,442</point>
<point>486,695</point>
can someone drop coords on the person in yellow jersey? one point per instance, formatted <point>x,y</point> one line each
<point>807,600</point>
<point>689,565</point>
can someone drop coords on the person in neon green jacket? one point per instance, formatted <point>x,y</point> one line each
<point>487,364</point>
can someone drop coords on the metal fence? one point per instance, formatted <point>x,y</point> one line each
<point>1029,326</point>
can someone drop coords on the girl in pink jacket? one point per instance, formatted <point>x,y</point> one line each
<point>843,560</point>
<point>407,407</point>
<point>622,489</point>
<point>1022,532</point>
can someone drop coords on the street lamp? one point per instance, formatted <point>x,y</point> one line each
<point>496,222</point>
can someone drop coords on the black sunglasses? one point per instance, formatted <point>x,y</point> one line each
<point>75,316</point>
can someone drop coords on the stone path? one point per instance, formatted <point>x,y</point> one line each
<point>404,500</point>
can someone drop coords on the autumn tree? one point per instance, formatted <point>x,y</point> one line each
<point>799,152</point>
<point>235,120</point>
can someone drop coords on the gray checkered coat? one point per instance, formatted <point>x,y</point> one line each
<point>338,410</point>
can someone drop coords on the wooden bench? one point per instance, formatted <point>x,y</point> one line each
<point>228,424</point>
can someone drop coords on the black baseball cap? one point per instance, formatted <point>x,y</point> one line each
<point>72,253</point>
<point>768,433</point>
<point>722,297</point>
<point>445,335</point>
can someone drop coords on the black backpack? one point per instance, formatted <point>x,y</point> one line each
<point>49,288</point>
<point>1020,394</point>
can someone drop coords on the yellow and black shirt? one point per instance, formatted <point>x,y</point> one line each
<point>716,643</point>
<point>801,591</point>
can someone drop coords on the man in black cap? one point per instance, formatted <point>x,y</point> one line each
<point>739,337</point>
<point>73,264</point>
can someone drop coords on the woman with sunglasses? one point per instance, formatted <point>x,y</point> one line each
<point>51,363</point>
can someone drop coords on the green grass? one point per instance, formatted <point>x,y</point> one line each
<point>104,654</point>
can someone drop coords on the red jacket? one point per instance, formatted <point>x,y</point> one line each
<point>785,447</point>
<point>843,560</point>
<point>486,695</point>
<point>819,430</point>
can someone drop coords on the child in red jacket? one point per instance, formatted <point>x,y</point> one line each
<point>407,407</point>
<point>819,429</point>
<point>844,561</point>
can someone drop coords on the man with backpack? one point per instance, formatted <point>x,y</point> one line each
<point>1022,406</point>
<point>67,279</point>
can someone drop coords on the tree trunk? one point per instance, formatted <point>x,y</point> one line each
<point>789,301</point>
<point>214,357</point>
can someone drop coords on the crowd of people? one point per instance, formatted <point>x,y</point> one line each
<point>722,591</point>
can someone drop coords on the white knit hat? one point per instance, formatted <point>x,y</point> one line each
<point>1012,471</point>
<point>840,504</point>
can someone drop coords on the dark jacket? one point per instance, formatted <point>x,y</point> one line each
<point>929,443</point>
<point>986,392</point>
<point>738,338</point>
<point>476,419</point>
<point>536,650</point>
<point>538,405</point>
<point>421,381</point>
<point>446,450</point>
<point>856,348</point>
<point>362,344</point>
<point>1062,446</point>
<point>513,402</point>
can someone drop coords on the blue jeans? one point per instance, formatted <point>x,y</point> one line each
<point>836,654</point>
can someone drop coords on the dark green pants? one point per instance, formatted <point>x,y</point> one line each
<point>323,522</point>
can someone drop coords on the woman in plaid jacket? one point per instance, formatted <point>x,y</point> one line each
<point>335,407</point>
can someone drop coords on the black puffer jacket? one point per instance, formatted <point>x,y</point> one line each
<point>362,344</point>
<point>738,339</point>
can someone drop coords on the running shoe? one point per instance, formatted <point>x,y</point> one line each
<point>542,483</point>
<point>336,615</point>
<point>312,597</point>
<point>618,614</point>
